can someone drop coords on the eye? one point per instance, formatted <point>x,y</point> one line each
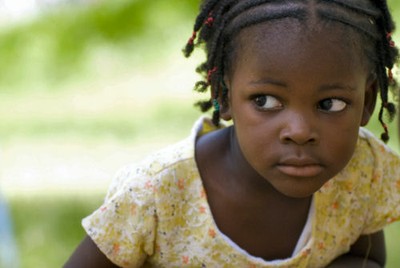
<point>267,102</point>
<point>332,105</point>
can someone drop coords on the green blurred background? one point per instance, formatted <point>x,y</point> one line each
<point>85,88</point>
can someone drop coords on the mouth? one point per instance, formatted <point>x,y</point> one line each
<point>300,168</point>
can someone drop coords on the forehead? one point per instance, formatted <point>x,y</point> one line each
<point>299,43</point>
<point>287,50</point>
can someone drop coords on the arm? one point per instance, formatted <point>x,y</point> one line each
<point>87,254</point>
<point>368,251</point>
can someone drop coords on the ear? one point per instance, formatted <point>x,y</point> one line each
<point>225,111</point>
<point>371,92</point>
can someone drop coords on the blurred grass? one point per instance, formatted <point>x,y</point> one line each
<point>47,228</point>
<point>55,48</point>
<point>110,73</point>
<point>123,126</point>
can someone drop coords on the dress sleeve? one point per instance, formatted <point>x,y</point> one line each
<point>385,188</point>
<point>124,226</point>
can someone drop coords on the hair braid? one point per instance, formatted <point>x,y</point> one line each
<point>388,56</point>
<point>359,7</point>
<point>205,10</point>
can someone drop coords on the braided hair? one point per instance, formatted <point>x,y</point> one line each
<point>220,20</point>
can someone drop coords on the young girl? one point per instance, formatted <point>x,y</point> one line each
<point>295,181</point>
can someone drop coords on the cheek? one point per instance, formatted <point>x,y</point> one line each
<point>339,146</point>
<point>256,141</point>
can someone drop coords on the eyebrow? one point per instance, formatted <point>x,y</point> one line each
<point>327,87</point>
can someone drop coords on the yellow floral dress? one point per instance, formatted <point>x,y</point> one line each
<point>156,212</point>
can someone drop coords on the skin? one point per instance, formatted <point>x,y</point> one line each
<point>291,93</point>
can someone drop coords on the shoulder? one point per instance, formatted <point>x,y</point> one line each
<point>385,165</point>
<point>165,158</point>
<point>372,151</point>
<point>138,176</point>
<point>368,141</point>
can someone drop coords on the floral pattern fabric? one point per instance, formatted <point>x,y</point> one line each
<point>156,212</point>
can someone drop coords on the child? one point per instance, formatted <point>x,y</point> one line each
<point>295,181</point>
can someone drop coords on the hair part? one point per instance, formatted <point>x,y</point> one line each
<point>219,21</point>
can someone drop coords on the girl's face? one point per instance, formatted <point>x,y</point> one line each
<point>297,98</point>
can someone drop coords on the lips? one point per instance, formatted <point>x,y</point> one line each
<point>296,167</point>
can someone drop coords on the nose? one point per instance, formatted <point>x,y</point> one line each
<point>299,129</point>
